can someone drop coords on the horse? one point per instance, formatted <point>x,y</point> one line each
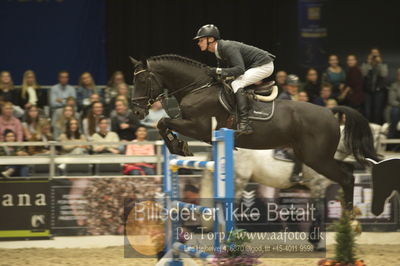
<point>312,131</point>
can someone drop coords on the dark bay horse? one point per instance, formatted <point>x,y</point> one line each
<point>312,131</point>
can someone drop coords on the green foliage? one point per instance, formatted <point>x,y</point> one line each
<point>345,248</point>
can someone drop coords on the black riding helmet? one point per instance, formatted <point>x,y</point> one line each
<point>208,30</point>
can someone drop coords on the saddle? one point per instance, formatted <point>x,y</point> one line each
<point>261,100</point>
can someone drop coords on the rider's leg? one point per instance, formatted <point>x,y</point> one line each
<point>251,76</point>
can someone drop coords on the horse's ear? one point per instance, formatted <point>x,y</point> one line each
<point>134,61</point>
<point>144,62</point>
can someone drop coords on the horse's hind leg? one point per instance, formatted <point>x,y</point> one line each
<point>337,173</point>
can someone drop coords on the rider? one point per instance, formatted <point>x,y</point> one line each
<point>248,64</point>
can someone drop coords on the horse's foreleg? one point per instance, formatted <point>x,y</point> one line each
<point>185,127</point>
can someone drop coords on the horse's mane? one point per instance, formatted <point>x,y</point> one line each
<point>177,58</point>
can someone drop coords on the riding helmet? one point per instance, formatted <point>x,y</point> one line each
<point>208,30</point>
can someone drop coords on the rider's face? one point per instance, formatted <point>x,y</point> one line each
<point>202,43</point>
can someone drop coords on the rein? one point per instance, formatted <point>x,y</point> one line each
<point>162,96</point>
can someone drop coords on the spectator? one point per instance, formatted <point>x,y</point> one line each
<point>191,194</point>
<point>136,148</point>
<point>394,104</point>
<point>280,79</point>
<point>95,97</point>
<point>291,88</point>
<point>14,170</point>
<point>123,122</point>
<point>353,94</point>
<point>375,73</point>
<point>59,124</point>
<point>7,91</point>
<point>324,95</point>
<point>70,101</point>
<point>90,123</point>
<point>87,87</point>
<point>43,134</point>
<point>334,75</point>
<point>330,103</point>
<point>117,78</point>
<point>105,135</point>
<point>72,134</point>
<point>122,92</point>
<point>303,97</point>
<point>8,121</point>
<point>31,123</point>
<point>31,93</point>
<point>312,84</point>
<point>156,112</point>
<point>61,91</point>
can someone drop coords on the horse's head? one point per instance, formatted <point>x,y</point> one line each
<point>147,89</point>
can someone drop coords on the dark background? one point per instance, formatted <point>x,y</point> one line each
<point>145,28</point>
<point>99,35</point>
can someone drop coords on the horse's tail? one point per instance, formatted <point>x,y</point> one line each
<point>357,134</point>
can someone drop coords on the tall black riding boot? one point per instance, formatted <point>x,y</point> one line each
<point>243,113</point>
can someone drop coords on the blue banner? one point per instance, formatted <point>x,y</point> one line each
<point>312,33</point>
<point>52,35</point>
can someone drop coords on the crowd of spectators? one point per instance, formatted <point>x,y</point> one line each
<point>364,86</point>
<point>70,114</point>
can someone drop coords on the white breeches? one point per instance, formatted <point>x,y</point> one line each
<point>252,76</point>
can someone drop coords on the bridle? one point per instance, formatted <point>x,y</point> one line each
<point>151,94</point>
<point>150,97</point>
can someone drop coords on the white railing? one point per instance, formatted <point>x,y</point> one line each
<point>52,159</point>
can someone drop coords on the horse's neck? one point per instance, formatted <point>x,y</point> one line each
<point>180,80</point>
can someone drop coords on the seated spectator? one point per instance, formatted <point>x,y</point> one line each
<point>117,78</point>
<point>303,97</point>
<point>156,112</point>
<point>90,123</point>
<point>87,87</point>
<point>122,92</point>
<point>72,134</point>
<point>105,135</point>
<point>95,97</point>
<point>8,121</point>
<point>290,89</point>
<point>13,170</point>
<point>280,79</point>
<point>59,124</point>
<point>330,103</point>
<point>324,95</point>
<point>7,91</point>
<point>352,94</point>
<point>30,92</point>
<point>140,149</point>
<point>191,194</point>
<point>31,121</point>
<point>60,92</point>
<point>70,101</point>
<point>394,104</point>
<point>312,84</point>
<point>334,75</point>
<point>43,134</point>
<point>123,122</point>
